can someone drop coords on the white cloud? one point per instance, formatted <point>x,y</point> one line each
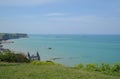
<point>76,19</point>
<point>55,14</point>
<point>25,2</point>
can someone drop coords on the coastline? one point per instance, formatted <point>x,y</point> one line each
<point>70,50</point>
<point>5,38</point>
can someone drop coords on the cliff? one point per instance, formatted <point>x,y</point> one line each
<point>7,36</point>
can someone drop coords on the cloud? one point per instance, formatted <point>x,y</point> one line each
<point>55,14</point>
<point>75,19</point>
<point>25,2</point>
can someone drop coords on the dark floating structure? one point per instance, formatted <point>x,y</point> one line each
<point>49,48</point>
<point>33,57</point>
<point>56,58</point>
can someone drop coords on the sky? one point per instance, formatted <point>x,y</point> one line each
<point>60,16</point>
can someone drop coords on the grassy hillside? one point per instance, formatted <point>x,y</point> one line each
<point>31,71</point>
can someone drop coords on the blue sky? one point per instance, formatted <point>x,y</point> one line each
<point>60,16</point>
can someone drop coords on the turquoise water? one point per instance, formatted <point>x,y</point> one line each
<point>71,49</point>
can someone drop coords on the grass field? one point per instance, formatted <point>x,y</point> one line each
<point>30,71</point>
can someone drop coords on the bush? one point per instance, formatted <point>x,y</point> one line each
<point>7,57</point>
<point>105,67</point>
<point>42,63</point>
<point>12,57</point>
<point>115,68</point>
<point>21,58</point>
<point>80,66</point>
<point>92,67</point>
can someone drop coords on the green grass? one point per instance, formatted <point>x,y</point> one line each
<point>49,71</point>
<point>108,69</point>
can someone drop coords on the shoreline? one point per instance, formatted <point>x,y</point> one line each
<point>6,37</point>
<point>70,52</point>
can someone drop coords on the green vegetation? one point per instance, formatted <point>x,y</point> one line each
<point>7,36</point>
<point>103,68</point>
<point>43,63</point>
<point>38,71</point>
<point>14,66</point>
<point>8,56</point>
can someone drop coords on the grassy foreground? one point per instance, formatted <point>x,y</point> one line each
<point>31,71</point>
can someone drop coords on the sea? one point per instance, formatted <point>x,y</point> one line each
<point>70,49</point>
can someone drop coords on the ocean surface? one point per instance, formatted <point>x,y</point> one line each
<point>71,49</point>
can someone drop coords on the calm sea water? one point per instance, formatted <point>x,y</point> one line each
<point>71,49</point>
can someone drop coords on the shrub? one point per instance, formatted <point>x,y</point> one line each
<point>105,67</point>
<point>115,68</point>
<point>80,66</point>
<point>7,57</point>
<point>42,63</point>
<point>92,67</point>
<point>21,58</point>
<point>12,57</point>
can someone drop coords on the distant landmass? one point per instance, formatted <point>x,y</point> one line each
<point>7,36</point>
